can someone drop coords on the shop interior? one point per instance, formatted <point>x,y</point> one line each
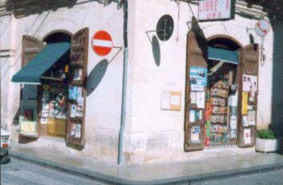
<point>52,80</point>
<point>221,94</point>
<point>45,105</point>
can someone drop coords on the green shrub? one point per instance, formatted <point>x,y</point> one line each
<point>265,134</point>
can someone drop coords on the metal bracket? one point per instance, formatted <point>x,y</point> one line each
<point>248,29</point>
<point>116,54</point>
<point>147,34</point>
<point>189,23</point>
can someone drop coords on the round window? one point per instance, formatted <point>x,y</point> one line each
<point>165,27</point>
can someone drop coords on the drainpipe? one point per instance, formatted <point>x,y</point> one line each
<point>124,85</point>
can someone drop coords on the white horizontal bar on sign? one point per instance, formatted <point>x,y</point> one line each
<point>102,43</point>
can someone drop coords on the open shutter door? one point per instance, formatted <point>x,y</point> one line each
<point>30,48</point>
<point>196,81</point>
<point>75,136</point>
<point>248,91</point>
<point>29,122</point>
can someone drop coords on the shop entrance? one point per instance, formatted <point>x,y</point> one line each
<point>221,92</point>
<point>53,97</point>
<point>53,91</point>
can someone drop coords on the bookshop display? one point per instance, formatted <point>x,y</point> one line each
<point>221,98</point>
<point>57,106</point>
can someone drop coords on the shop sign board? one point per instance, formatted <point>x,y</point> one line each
<point>102,43</point>
<point>212,10</point>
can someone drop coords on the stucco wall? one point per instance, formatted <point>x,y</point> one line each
<point>104,104</point>
<point>156,133</point>
<point>6,64</point>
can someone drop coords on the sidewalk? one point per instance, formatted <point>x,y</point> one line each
<point>157,173</point>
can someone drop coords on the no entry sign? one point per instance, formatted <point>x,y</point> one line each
<point>102,43</point>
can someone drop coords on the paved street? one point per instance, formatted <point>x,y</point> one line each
<point>265,178</point>
<point>23,173</point>
<point>19,172</point>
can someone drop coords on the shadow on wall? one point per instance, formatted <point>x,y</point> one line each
<point>95,76</point>
<point>277,78</point>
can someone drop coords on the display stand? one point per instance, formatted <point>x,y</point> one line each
<point>196,76</point>
<point>247,100</point>
<point>75,136</point>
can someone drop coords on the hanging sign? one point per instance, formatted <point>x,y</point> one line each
<point>262,28</point>
<point>211,10</point>
<point>102,43</point>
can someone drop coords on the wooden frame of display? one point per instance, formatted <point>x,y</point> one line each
<point>194,58</point>
<point>79,43</point>
<point>249,66</point>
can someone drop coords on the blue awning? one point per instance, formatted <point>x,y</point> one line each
<point>32,72</point>
<point>223,55</point>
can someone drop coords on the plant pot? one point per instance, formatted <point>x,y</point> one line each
<point>266,145</point>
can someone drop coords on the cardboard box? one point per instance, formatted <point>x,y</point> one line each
<point>56,127</point>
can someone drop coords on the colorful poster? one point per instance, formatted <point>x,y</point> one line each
<point>28,127</point>
<point>249,83</point>
<point>251,117</point>
<point>73,92</point>
<point>76,130</point>
<point>78,74</point>
<point>247,136</point>
<point>193,97</point>
<point>244,103</point>
<point>195,134</point>
<point>201,100</point>
<point>233,122</point>
<point>245,121</point>
<point>198,78</point>
<point>192,116</point>
<point>73,111</point>
<point>233,134</point>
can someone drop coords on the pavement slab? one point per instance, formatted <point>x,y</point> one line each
<point>218,166</point>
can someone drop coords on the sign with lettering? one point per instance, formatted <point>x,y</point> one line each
<point>212,10</point>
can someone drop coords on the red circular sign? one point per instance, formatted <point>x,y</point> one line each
<point>102,43</point>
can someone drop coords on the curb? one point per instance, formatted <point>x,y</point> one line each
<point>108,179</point>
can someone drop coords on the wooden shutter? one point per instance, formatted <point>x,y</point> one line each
<point>30,48</point>
<point>248,66</point>
<point>75,130</point>
<point>195,58</point>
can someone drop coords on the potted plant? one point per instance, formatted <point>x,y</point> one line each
<point>266,141</point>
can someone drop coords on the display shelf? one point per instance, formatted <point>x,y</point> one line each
<point>218,123</point>
<point>76,65</point>
<point>219,113</point>
<point>77,120</point>
<point>52,78</point>
<point>77,83</point>
<point>218,96</point>
<point>194,107</point>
